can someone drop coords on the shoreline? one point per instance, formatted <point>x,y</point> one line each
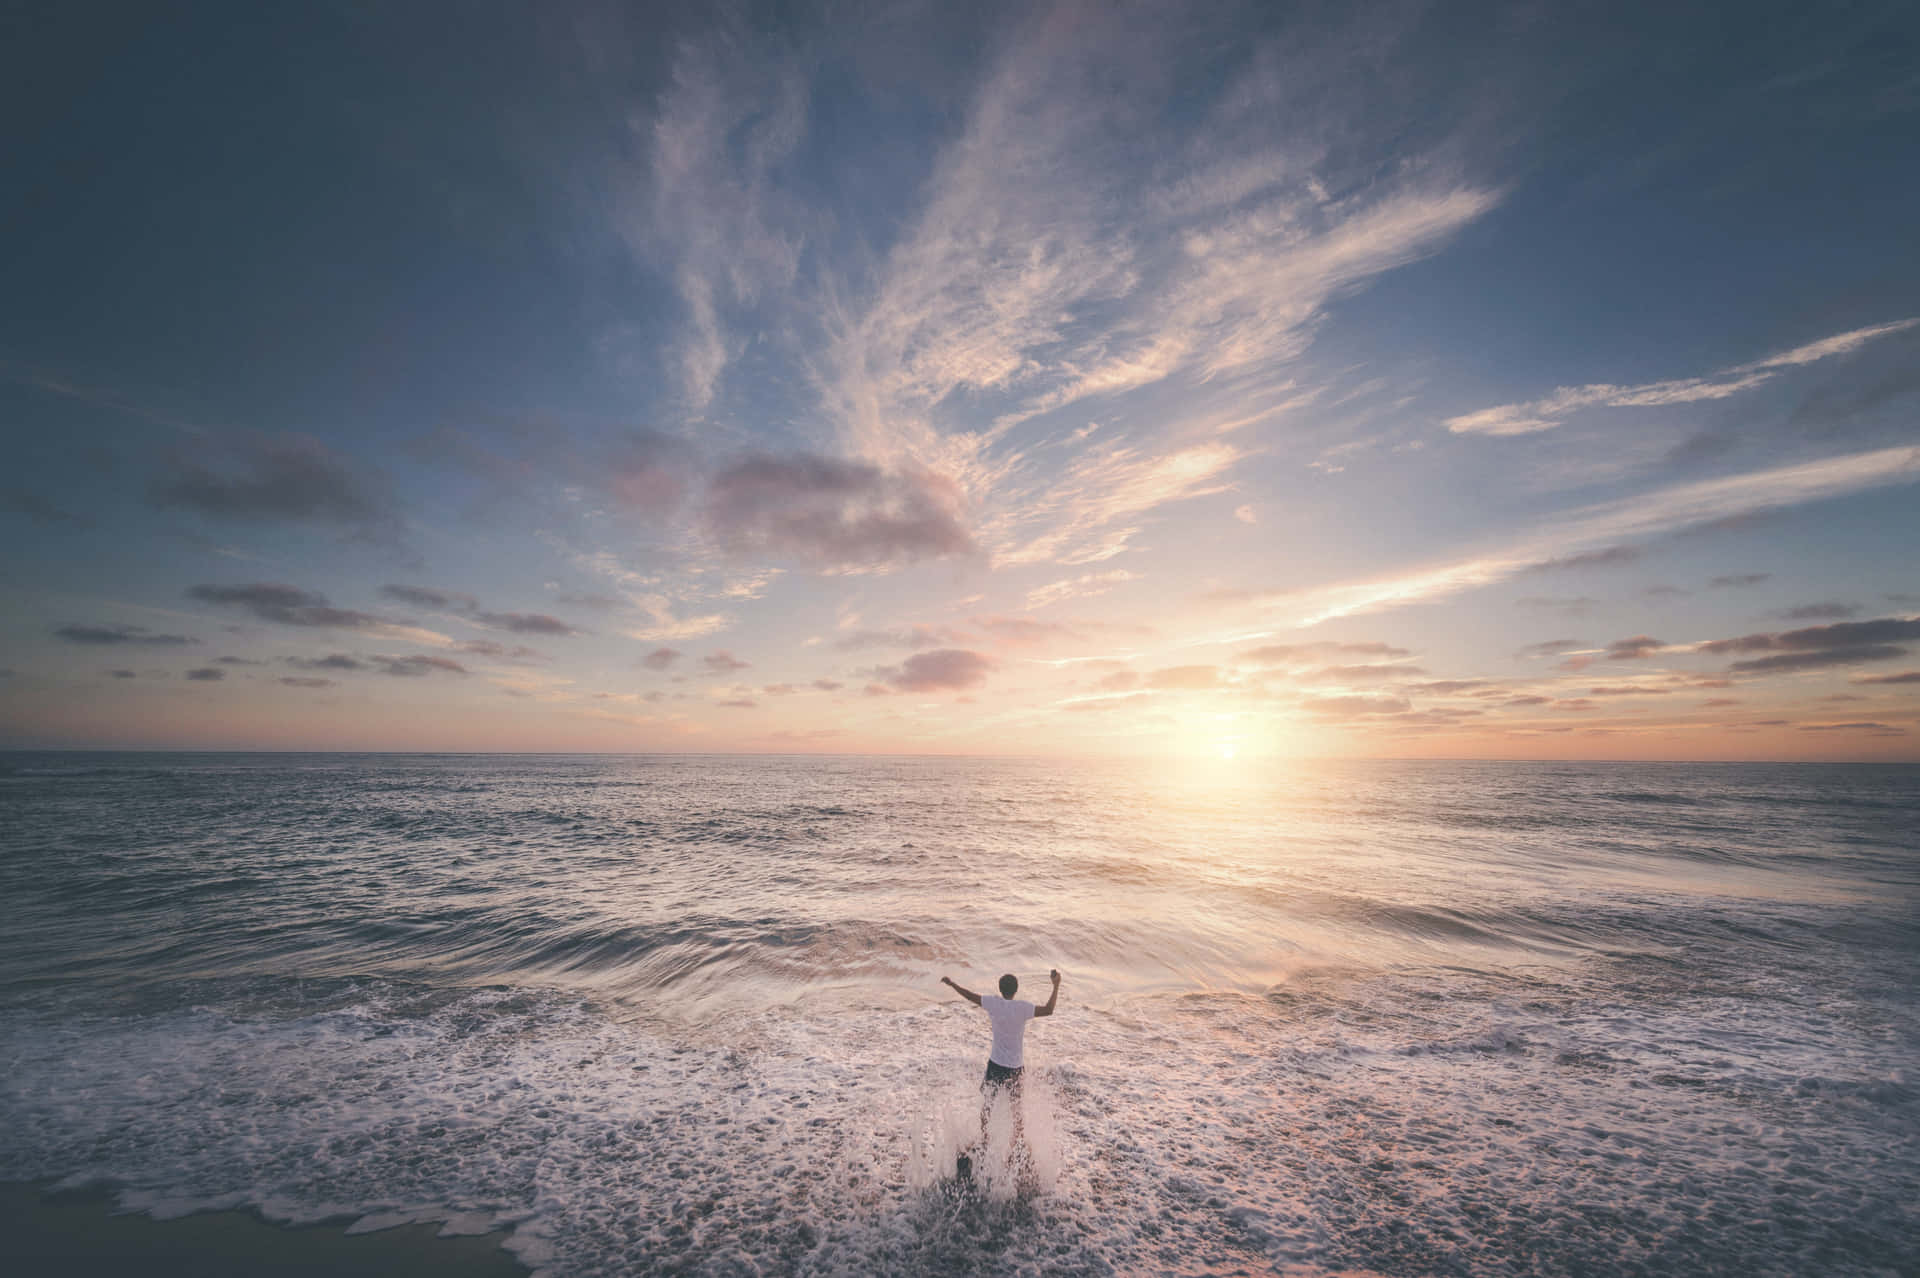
<point>84,1234</point>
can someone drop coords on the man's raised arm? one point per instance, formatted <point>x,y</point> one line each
<point>1051,998</point>
<point>967,994</point>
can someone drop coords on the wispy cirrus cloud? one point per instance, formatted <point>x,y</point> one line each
<point>1530,416</point>
<point>1087,513</point>
<point>1028,282</point>
<point>1086,584</point>
<point>707,209</point>
<point>1655,513</point>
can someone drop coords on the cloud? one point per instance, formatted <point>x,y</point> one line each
<point>1087,584</point>
<point>488,648</point>
<point>841,514</point>
<point>943,670</point>
<point>1246,515</point>
<point>118,674</point>
<point>1741,579</point>
<point>1819,647</point>
<point>1840,634</point>
<point>704,211</point>
<point>417,665</point>
<point>288,477</point>
<point>1544,414</point>
<point>722,662</point>
<point>597,603</point>
<point>1821,612</point>
<point>1662,511</point>
<point>1905,676</point>
<point>1552,647</point>
<point>1118,681</point>
<point>525,623</point>
<point>667,625</point>
<point>738,703</point>
<point>1447,687</point>
<point>427,597</point>
<point>826,685</point>
<point>1360,674</point>
<point>304,681</point>
<point>1087,704</point>
<point>1045,269</point>
<point>207,674</point>
<point>1628,690</point>
<point>285,605</point>
<point>661,658</point>
<point>103,635</point>
<point>1111,483</point>
<point>337,661</point>
<point>1634,649</point>
<point>1286,654</point>
<point>237,661</point>
<point>1355,706</point>
<point>1789,662</point>
<point>914,637</point>
<point>1607,558</point>
<point>1884,729</point>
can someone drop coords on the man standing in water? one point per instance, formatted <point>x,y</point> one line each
<point>1004,1063</point>
<point>1009,1016</point>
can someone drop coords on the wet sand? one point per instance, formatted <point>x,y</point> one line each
<point>78,1235</point>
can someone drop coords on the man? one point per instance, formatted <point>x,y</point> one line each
<point>1004,1063</point>
<point>1009,1016</point>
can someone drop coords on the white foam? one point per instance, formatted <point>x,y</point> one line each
<point>1375,1128</point>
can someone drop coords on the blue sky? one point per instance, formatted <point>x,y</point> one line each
<point>1220,381</point>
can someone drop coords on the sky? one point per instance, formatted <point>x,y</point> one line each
<point>1206,381</point>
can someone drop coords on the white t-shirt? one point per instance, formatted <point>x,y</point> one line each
<point>1009,1017</point>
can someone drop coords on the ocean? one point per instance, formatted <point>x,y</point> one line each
<point>678,1014</point>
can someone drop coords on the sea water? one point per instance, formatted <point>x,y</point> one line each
<point>682,1014</point>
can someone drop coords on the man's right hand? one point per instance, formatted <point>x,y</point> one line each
<point>1055,974</point>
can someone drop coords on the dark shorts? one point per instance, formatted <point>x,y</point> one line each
<point>1000,1075</point>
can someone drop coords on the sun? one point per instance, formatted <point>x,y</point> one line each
<point>1227,750</point>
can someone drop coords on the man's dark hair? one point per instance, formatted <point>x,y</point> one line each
<point>1008,985</point>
